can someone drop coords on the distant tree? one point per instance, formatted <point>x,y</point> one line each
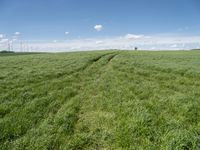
<point>136,48</point>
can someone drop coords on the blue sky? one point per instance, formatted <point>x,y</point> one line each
<point>50,19</point>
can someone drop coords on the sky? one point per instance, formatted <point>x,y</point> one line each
<point>55,25</point>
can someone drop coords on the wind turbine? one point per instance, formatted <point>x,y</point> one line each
<point>5,41</point>
<point>16,36</point>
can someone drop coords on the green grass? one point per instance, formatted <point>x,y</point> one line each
<point>106,100</point>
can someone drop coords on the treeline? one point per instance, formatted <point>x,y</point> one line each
<point>5,51</point>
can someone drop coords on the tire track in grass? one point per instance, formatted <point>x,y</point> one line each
<point>41,83</point>
<point>147,122</point>
<point>112,57</point>
<point>85,83</point>
<point>150,133</point>
<point>59,75</point>
<point>83,70</point>
<point>24,108</point>
<point>49,77</point>
<point>77,112</point>
<point>77,141</point>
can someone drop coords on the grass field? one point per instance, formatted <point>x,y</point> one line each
<point>106,100</point>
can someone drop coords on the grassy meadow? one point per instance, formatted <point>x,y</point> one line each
<point>103,100</point>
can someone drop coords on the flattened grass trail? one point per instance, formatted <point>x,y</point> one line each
<point>104,100</point>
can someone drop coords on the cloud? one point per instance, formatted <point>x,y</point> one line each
<point>17,33</point>
<point>4,40</point>
<point>156,42</point>
<point>133,36</point>
<point>99,42</point>
<point>1,36</point>
<point>174,46</point>
<point>66,33</point>
<point>98,28</point>
<point>14,40</point>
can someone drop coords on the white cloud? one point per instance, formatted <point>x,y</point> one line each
<point>99,42</point>
<point>156,42</point>
<point>98,27</point>
<point>17,33</point>
<point>1,36</point>
<point>174,46</point>
<point>14,40</point>
<point>133,36</point>
<point>66,33</point>
<point>4,40</point>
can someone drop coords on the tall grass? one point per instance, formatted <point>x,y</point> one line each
<point>100,100</point>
